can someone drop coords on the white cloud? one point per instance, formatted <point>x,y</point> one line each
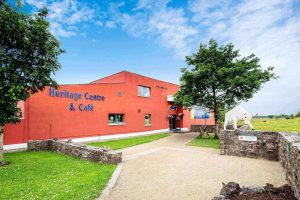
<point>207,11</point>
<point>57,29</point>
<point>150,4</point>
<point>99,23</point>
<point>64,15</point>
<point>37,3</point>
<point>271,30</point>
<point>110,24</point>
<point>169,25</point>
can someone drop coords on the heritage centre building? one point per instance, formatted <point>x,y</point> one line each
<point>121,105</point>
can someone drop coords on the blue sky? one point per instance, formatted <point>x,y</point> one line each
<point>153,37</point>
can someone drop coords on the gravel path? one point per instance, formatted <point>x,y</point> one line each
<point>168,170</point>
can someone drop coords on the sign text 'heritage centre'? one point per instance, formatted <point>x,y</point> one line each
<point>77,96</point>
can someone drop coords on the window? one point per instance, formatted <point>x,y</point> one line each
<point>116,118</point>
<point>143,91</point>
<point>147,119</point>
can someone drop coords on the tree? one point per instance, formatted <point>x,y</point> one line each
<point>28,58</point>
<point>218,79</point>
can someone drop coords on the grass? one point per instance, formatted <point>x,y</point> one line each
<point>265,124</point>
<point>128,142</point>
<point>282,124</point>
<point>205,141</point>
<point>48,175</point>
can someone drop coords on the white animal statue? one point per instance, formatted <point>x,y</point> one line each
<point>234,115</point>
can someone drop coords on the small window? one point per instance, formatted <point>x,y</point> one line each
<point>116,118</point>
<point>147,119</point>
<point>143,91</point>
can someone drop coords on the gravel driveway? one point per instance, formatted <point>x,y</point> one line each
<point>168,170</point>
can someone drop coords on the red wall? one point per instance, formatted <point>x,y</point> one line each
<point>50,117</point>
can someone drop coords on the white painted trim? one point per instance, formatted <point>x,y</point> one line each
<point>118,136</point>
<point>15,146</point>
<point>94,138</point>
<point>185,129</point>
<point>120,124</point>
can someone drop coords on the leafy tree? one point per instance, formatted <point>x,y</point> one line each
<point>217,78</point>
<point>28,59</point>
<point>297,114</point>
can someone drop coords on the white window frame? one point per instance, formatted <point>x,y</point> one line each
<point>144,91</point>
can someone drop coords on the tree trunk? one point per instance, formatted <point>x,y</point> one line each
<point>216,115</point>
<point>1,145</point>
<point>216,125</point>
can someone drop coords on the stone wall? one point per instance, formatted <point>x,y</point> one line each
<point>233,190</point>
<point>289,155</point>
<point>265,147</point>
<point>81,151</point>
<point>282,147</point>
<point>196,128</point>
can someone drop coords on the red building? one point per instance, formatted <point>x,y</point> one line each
<point>123,104</point>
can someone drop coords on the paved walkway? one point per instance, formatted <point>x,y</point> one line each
<point>167,169</point>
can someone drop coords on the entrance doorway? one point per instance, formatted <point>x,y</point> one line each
<point>172,122</point>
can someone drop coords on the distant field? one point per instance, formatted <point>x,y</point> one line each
<point>281,124</point>
<point>264,124</point>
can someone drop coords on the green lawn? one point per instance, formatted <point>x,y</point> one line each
<point>128,142</point>
<point>206,141</point>
<point>281,124</point>
<point>48,175</point>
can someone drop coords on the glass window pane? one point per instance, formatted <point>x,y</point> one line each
<point>147,119</point>
<point>140,88</point>
<point>147,92</point>
<point>116,118</point>
<point>144,91</point>
<point>111,118</point>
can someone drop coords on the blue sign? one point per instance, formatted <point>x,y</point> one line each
<point>173,107</point>
<point>199,114</point>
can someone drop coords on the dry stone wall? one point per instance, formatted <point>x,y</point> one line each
<point>289,154</point>
<point>81,151</point>
<point>265,147</point>
<point>209,128</point>
<point>276,146</point>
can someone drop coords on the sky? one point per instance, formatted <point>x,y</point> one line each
<point>152,38</point>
